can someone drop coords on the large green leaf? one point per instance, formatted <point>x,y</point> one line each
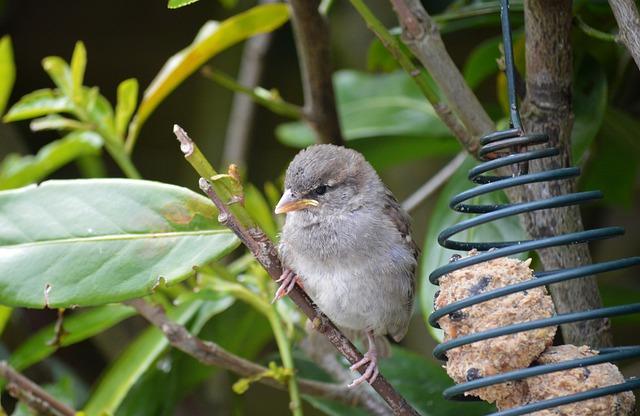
<point>133,362</point>
<point>507,229</point>
<point>16,170</point>
<point>383,116</point>
<point>38,103</point>
<point>90,242</point>
<point>7,71</point>
<point>418,379</point>
<point>77,327</point>
<point>212,39</point>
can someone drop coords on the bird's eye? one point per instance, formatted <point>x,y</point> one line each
<point>320,190</point>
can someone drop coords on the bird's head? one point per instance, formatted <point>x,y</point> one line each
<point>326,179</point>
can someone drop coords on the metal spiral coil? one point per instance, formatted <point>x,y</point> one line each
<point>495,153</point>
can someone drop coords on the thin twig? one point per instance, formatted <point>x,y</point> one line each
<point>628,18</point>
<point>243,109</point>
<point>265,252</point>
<point>31,394</point>
<point>420,33</point>
<point>212,354</point>
<point>268,99</point>
<point>312,43</point>
<point>435,182</point>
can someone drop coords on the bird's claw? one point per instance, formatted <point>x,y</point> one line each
<point>287,280</point>
<point>370,374</point>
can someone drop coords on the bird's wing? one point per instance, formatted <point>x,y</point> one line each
<point>402,222</point>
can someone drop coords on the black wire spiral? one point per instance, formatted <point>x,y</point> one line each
<point>495,153</point>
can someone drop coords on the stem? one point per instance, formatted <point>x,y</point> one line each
<point>593,32</point>
<point>266,99</point>
<point>389,42</point>
<point>287,359</point>
<point>436,181</point>
<point>123,160</point>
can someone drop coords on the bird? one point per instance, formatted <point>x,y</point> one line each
<point>347,242</point>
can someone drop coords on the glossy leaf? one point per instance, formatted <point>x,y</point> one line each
<point>589,106</point>
<point>38,103</point>
<point>418,379</point>
<point>60,73</point>
<point>78,326</point>
<point>90,242</point>
<point>7,71</point>
<point>507,229</point>
<point>213,38</point>
<point>174,4</point>
<point>126,105</point>
<point>133,362</point>
<point>383,116</point>
<point>57,122</point>
<point>17,171</point>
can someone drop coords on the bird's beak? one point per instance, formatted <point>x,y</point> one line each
<point>289,203</point>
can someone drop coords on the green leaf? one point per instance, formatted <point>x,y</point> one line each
<point>7,71</point>
<point>134,362</point>
<point>78,327</point>
<point>127,100</point>
<point>482,62</point>
<point>60,74</point>
<point>174,4</point>
<point>57,122</point>
<point>614,166</point>
<point>589,106</point>
<point>78,65</point>
<point>100,113</point>
<point>383,116</point>
<point>260,210</point>
<point>212,39</point>
<point>90,242</point>
<point>419,380</point>
<point>507,229</point>
<point>39,103</point>
<point>16,171</point>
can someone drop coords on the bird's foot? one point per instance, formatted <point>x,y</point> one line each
<point>371,373</point>
<point>287,280</point>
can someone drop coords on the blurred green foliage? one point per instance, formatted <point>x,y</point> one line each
<point>79,243</point>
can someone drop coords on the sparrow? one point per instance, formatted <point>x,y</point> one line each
<point>348,243</point>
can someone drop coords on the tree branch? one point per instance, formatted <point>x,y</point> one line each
<point>31,394</point>
<point>628,18</point>
<point>313,46</point>
<point>442,109</point>
<point>547,109</point>
<point>420,33</point>
<point>210,353</point>
<point>232,214</point>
